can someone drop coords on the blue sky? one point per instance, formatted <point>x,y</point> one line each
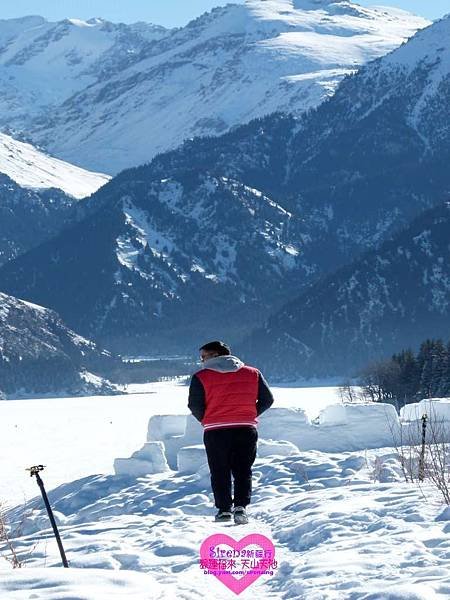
<point>167,12</point>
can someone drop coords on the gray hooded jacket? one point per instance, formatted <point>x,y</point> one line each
<point>223,364</point>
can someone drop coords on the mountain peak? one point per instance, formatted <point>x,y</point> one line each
<point>27,20</point>
<point>95,21</point>
<point>78,22</point>
<point>245,61</point>
<point>297,4</point>
<point>315,3</point>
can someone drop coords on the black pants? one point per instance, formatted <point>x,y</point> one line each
<point>231,451</point>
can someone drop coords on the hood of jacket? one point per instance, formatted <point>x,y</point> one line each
<point>223,364</point>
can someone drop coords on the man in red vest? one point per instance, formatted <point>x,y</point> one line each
<point>227,397</point>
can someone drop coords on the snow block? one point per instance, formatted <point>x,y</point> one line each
<point>335,414</point>
<point>194,432</point>
<point>174,431</point>
<point>358,414</point>
<point>149,459</point>
<point>161,427</point>
<point>275,448</point>
<point>285,431</point>
<point>191,458</point>
<point>437,409</point>
<point>361,425</point>
<point>340,428</point>
<point>283,423</point>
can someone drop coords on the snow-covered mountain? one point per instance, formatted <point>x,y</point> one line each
<point>388,300</point>
<point>293,199</point>
<point>39,354</point>
<point>118,105</point>
<point>38,195</point>
<point>31,168</point>
<point>418,73</point>
<point>156,256</point>
<point>357,168</point>
<point>42,63</point>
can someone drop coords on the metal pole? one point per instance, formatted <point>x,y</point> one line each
<point>422,453</point>
<point>35,471</point>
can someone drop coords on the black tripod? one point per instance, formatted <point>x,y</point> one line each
<point>35,471</point>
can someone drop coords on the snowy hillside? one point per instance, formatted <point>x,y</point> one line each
<point>358,167</point>
<point>30,168</point>
<point>224,68</point>
<point>43,63</point>
<point>38,195</point>
<point>344,523</point>
<point>414,79</point>
<point>159,254</point>
<point>39,354</point>
<point>388,300</point>
<point>30,216</point>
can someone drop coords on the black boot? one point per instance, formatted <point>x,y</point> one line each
<point>240,515</point>
<point>223,515</point>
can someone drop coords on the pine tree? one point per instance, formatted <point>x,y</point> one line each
<point>439,366</point>
<point>444,386</point>
<point>425,364</point>
<point>409,376</point>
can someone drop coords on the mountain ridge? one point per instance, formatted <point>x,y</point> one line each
<point>388,299</point>
<point>156,256</point>
<point>224,68</point>
<point>351,173</point>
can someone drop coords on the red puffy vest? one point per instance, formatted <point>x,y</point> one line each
<point>230,398</point>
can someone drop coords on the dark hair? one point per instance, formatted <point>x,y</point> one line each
<point>221,348</point>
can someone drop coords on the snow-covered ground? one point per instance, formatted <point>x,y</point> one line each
<point>82,436</point>
<point>31,168</point>
<point>345,525</point>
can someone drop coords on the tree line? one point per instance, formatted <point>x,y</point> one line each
<point>407,376</point>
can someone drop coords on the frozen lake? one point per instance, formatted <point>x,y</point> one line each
<point>102,428</point>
